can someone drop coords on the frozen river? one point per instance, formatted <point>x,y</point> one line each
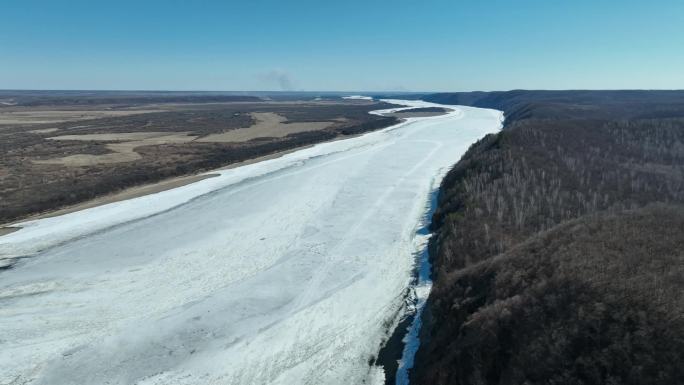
<point>287,271</point>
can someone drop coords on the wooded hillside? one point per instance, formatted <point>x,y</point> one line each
<point>557,255</point>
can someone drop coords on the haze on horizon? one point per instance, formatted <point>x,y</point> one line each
<point>343,46</point>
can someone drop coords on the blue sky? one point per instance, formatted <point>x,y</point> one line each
<point>439,45</point>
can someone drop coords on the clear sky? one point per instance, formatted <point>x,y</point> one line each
<point>441,45</point>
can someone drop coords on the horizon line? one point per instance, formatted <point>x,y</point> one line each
<point>328,91</point>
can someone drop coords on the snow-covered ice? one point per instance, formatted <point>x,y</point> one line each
<point>286,271</point>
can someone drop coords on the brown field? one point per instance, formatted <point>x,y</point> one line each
<point>123,150</point>
<point>59,153</point>
<point>266,124</point>
<point>13,116</point>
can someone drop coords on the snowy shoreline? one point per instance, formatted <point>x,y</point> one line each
<point>407,330</point>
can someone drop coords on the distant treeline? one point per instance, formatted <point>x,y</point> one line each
<point>34,101</point>
<point>558,255</point>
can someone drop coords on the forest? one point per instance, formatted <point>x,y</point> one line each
<point>557,248</point>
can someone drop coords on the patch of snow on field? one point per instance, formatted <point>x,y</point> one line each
<point>286,271</point>
<point>357,97</point>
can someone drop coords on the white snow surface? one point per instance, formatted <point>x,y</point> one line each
<point>357,97</point>
<point>286,271</point>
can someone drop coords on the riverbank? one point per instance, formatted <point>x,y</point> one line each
<point>141,191</point>
<point>424,112</point>
<point>398,353</point>
<point>162,185</point>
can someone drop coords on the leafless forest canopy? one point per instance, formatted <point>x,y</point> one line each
<point>557,255</point>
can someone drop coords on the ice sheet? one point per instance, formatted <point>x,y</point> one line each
<point>286,271</point>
